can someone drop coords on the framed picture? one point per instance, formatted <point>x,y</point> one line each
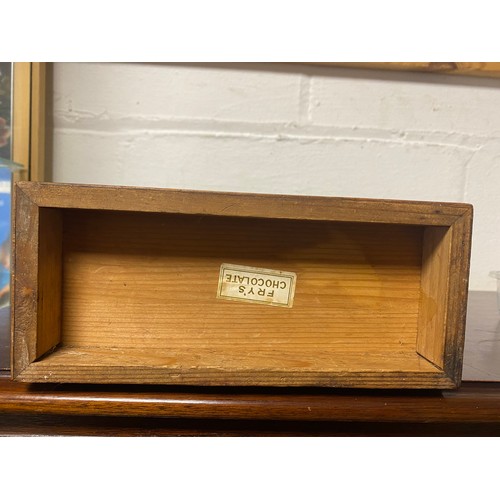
<point>22,153</point>
<point>487,69</point>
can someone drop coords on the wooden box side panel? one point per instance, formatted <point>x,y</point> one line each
<point>458,290</point>
<point>436,254</point>
<point>243,204</point>
<point>36,280</point>
<point>49,303</point>
<point>24,281</point>
<point>443,302</point>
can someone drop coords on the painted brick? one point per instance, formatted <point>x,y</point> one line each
<point>482,190</point>
<point>363,99</point>
<point>159,91</point>
<point>86,158</point>
<point>339,168</point>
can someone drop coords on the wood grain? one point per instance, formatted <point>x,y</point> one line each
<point>49,300</point>
<point>157,279</point>
<point>434,294</point>
<point>24,281</point>
<point>138,296</point>
<point>154,200</point>
<point>140,292</point>
<point>458,289</point>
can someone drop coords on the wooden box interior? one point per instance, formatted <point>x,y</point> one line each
<point>127,296</point>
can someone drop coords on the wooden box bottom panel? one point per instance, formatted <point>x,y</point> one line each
<point>212,367</point>
<point>131,297</point>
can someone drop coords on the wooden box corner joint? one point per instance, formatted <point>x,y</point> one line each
<point>121,285</point>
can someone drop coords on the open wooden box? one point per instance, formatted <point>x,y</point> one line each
<point>120,285</point>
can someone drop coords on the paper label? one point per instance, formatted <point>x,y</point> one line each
<point>253,284</point>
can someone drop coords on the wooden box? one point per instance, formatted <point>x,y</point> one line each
<point>133,285</point>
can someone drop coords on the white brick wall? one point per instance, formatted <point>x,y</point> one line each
<point>286,129</point>
<point>408,103</point>
<point>154,92</point>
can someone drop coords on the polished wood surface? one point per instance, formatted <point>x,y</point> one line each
<point>107,295</point>
<point>473,403</point>
<point>13,424</point>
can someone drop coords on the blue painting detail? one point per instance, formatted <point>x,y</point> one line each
<point>6,179</point>
<point>5,196</point>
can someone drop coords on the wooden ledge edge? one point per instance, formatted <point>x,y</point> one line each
<point>474,402</point>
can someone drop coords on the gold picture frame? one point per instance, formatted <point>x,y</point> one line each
<point>483,69</point>
<point>28,118</point>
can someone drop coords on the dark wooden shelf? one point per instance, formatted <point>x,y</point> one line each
<point>72,409</point>
<point>245,411</point>
<point>474,402</point>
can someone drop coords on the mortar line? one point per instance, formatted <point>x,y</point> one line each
<point>138,124</point>
<point>466,177</point>
<point>271,136</point>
